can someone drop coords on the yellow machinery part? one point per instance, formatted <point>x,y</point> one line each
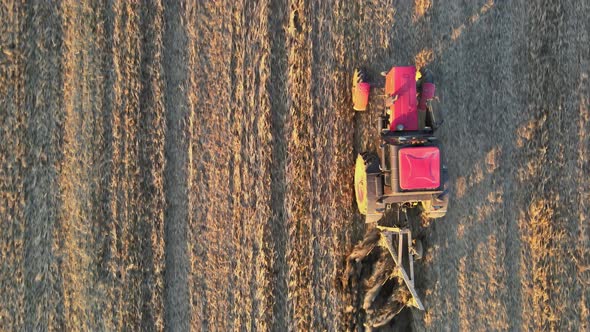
<point>360,184</point>
<point>418,75</point>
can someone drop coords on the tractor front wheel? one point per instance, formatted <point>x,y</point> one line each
<point>360,90</point>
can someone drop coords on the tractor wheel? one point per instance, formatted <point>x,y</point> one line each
<point>437,206</point>
<point>366,162</point>
<point>359,76</point>
<point>360,90</point>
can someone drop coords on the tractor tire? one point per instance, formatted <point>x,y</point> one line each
<point>360,90</point>
<point>367,171</point>
<point>437,207</point>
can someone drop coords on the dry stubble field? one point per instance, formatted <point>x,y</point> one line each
<point>190,165</point>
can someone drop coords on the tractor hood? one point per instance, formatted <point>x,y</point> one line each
<point>401,82</point>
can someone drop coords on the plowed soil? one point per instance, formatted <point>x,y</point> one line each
<point>190,166</point>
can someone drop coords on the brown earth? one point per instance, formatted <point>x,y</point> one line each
<point>190,165</point>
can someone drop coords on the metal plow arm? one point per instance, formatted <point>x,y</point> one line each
<point>388,235</point>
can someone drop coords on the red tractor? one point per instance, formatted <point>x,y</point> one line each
<point>407,172</point>
<point>407,169</point>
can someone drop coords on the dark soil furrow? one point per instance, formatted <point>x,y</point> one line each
<point>537,228</point>
<point>43,104</point>
<point>95,140</point>
<point>277,89</point>
<point>176,291</point>
<point>563,139</point>
<point>151,140</point>
<point>507,85</point>
<point>12,165</point>
<point>581,252</point>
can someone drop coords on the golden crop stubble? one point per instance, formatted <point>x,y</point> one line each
<point>127,237</point>
<point>298,168</point>
<point>74,178</point>
<point>252,158</point>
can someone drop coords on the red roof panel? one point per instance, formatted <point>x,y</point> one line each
<point>419,168</point>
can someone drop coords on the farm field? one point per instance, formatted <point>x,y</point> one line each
<point>189,166</point>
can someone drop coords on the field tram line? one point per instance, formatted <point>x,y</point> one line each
<point>151,161</point>
<point>12,167</point>
<point>176,290</point>
<point>536,229</point>
<point>44,103</point>
<point>279,101</point>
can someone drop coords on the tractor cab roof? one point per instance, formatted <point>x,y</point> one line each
<point>419,167</point>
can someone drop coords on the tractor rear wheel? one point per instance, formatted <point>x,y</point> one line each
<point>437,206</point>
<point>366,163</point>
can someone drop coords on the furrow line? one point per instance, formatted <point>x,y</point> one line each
<point>12,166</point>
<point>43,297</point>
<point>151,165</point>
<point>279,104</point>
<point>177,262</point>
